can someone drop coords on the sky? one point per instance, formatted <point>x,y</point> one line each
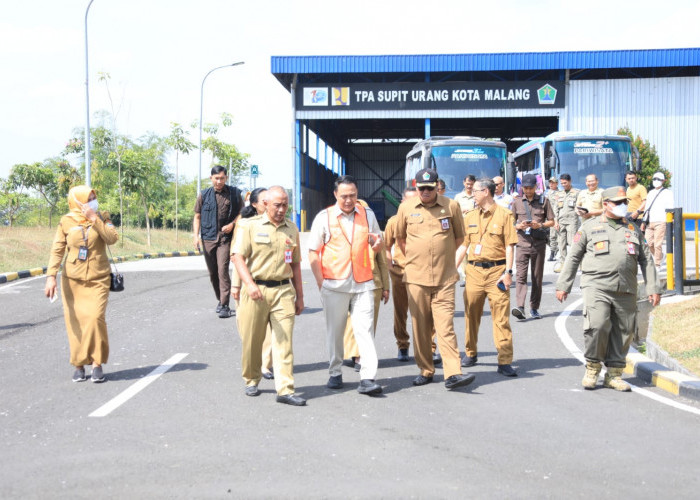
<point>157,52</point>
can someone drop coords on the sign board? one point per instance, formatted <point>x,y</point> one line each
<point>254,171</point>
<point>430,95</point>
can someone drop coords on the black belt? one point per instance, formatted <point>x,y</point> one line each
<point>487,265</point>
<point>274,283</point>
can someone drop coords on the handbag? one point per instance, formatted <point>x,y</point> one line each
<point>539,233</point>
<point>116,281</point>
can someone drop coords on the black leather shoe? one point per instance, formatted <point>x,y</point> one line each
<point>422,380</point>
<point>252,390</point>
<point>291,399</point>
<point>218,308</point>
<point>468,361</point>
<point>507,371</point>
<point>437,359</point>
<point>403,355</point>
<point>369,387</point>
<point>459,381</point>
<point>518,312</point>
<point>335,382</point>
<point>350,362</point>
<point>358,367</point>
<point>268,375</point>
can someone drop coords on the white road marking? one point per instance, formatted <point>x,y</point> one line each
<point>560,327</point>
<point>21,281</point>
<point>134,389</point>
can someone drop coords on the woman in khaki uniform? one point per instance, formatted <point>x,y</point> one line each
<point>82,235</point>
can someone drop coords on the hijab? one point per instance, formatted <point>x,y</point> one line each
<point>77,196</point>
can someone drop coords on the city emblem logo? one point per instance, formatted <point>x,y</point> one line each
<point>316,96</point>
<point>546,94</point>
<point>426,176</point>
<point>341,96</point>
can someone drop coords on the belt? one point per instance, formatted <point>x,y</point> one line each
<point>487,265</point>
<point>272,283</point>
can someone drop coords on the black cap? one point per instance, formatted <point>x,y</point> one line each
<point>529,180</point>
<point>426,177</point>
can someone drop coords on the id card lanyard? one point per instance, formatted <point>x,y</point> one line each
<point>482,231</point>
<point>83,250</point>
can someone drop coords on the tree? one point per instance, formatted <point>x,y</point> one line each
<point>223,153</point>
<point>12,197</point>
<point>178,141</point>
<point>650,159</point>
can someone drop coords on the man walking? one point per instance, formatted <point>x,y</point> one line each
<point>553,235</point>
<point>266,255</point>
<point>339,244</point>
<point>609,249</point>
<point>533,218</point>
<point>636,195</point>
<point>215,211</point>
<point>429,229</point>
<point>488,246</point>
<point>654,222</point>
<point>566,221</point>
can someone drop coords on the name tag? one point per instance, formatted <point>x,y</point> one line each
<point>477,249</point>
<point>82,253</point>
<point>630,248</point>
<point>445,223</point>
<point>288,256</point>
<point>571,203</point>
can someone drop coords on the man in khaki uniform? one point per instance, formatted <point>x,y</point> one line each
<point>428,230</point>
<point>488,245</point>
<point>609,250</point>
<point>466,197</point>
<point>395,255</point>
<point>269,244</point>
<point>589,203</point>
<point>553,235</point>
<point>566,221</point>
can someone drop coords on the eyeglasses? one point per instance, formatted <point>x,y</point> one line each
<point>426,188</point>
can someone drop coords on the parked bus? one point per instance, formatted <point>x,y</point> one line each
<point>456,157</point>
<point>609,157</point>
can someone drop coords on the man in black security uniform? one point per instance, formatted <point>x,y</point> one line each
<point>214,214</point>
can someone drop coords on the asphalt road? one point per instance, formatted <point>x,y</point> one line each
<point>192,433</point>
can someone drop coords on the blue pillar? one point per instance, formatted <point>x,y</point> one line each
<point>297,170</point>
<point>427,128</point>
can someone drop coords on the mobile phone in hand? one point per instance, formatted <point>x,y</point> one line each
<point>501,286</point>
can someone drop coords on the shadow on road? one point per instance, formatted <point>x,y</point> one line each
<point>136,373</point>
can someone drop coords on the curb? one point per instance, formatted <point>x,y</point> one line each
<point>37,271</point>
<point>662,377</point>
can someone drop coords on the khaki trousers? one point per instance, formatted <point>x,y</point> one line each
<point>350,348</point>
<point>267,350</point>
<point>276,309</point>
<point>400,300</point>
<point>84,307</point>
<point>655,235</point>
<point>481,283</point>
<point>608,325</point>
<point>566,237</point>
<point>434,307</point>
<point>217,255</point>
<point>553,240</point>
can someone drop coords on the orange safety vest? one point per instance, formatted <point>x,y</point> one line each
<point>339,256</point>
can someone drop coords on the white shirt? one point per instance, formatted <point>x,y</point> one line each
<point>320,234</point>
<point>503,199</point>
<point>658,209</point>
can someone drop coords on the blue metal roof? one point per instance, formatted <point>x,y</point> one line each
<point>655,58</point>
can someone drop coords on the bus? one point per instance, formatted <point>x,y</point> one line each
<point>456,157</point>
<point>609,157</point>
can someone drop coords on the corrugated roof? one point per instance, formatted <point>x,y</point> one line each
<point>656,58</point>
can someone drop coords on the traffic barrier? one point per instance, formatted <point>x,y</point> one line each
<point>677,278</point>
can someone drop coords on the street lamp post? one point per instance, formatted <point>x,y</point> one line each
<point>201,107</point>
<point>88,176</point>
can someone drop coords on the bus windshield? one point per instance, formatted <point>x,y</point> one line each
<point>454,163</point>
<point>609,160</point>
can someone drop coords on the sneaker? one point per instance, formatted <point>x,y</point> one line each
<point>226,312</point>
<point>97,375</point>
<point>369,387</point>
<point>335,382</point>
<point>218,308</point>
<point>459,381</point>
<point>558,266</point>
<point>534,314</point>
<point>518,312</point>
<point>79,375</point>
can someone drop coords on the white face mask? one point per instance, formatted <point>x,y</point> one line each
<point>92,204</point>
<point>620,210</point>
<point>657,183</point>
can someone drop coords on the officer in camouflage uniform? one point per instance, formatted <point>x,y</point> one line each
<point>553,235</point>
<point>566,221</point>
<point>609,249</point>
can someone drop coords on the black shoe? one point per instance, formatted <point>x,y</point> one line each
<point>79,375</point>
<point>459,381</point>
<point>369,387</point>
<point>252,390</point>
<point>350,362</point>
<point>422,380</point>
<point>218,308</point>
<point>97,375</point>
<point>468,361</point>
<point>507,371</point>
<point>226,312</point>
<point>358,366</point>
<point>534,314</point>
<point>403,355</point>
<point>437,359</point>
<point>551,256</point>
<point>291,399</point>
<point>335,382</point>
<point>268,375</point>
<point>518,313</point>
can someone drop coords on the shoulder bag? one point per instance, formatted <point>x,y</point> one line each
<point>116,283</point>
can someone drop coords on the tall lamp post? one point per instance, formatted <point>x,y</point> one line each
<point>201,107</point>
<point>88,176</point>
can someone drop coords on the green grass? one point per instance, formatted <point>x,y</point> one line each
<point>28,247</point>
<point>677,331</point>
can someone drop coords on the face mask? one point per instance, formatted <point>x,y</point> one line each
<point>657,183</point>
<point>93,205</point>
<point>620,210</point>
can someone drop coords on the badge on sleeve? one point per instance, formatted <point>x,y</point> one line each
<point>577,236</point>
<point>445,223</point>
<point>287,256</point>
<point>630,227</point>
<point>630,248</point>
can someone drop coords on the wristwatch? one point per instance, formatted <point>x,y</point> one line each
<point>509,271</point>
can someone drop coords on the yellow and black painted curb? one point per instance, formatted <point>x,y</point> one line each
<point>37,271</point>
<point>662,377</point>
